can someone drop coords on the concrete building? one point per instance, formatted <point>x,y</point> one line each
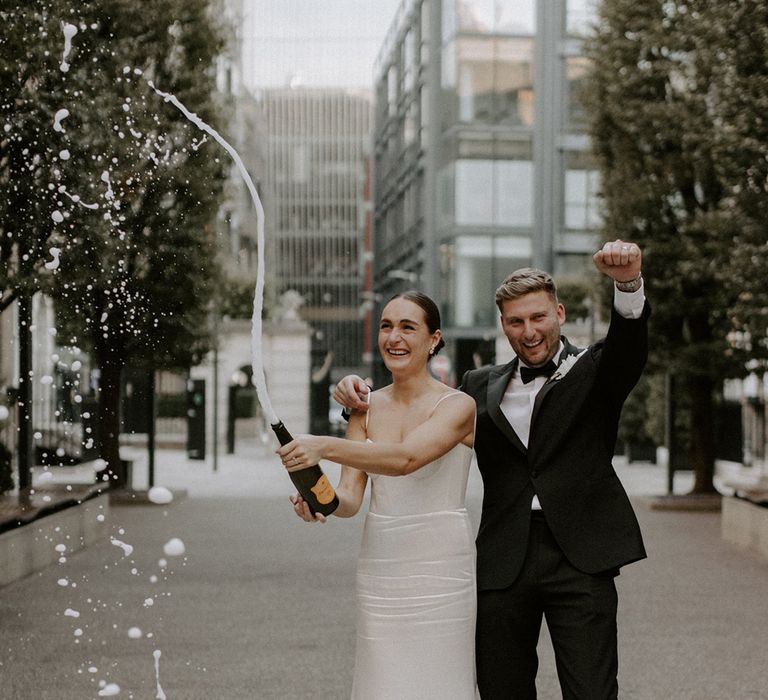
<point>481,164</point>
<point>317,143</point>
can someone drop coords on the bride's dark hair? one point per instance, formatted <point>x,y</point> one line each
<point>431,312</point>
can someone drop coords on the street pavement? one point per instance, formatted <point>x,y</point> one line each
<point>261,604</point>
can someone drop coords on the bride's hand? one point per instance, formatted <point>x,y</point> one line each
<point>302,452</point>
<point>301,508</point>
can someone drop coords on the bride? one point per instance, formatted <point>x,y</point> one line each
<point>416,599</point>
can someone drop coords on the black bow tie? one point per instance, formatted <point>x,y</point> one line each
<point>528,374</point>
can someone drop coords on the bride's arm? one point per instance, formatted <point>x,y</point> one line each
<point>350,489</point>
<point>451,423</point>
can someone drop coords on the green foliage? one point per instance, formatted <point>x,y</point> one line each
<point>575,293</point>
<point>643,419</point>
<point>676,102</point>
<point>236,298</point>
<point>126,190</point>
<point>733,44</point>
<point>646,113</point>
<point>29,98</point>
<point>137,273</point>
<point>632,427</point>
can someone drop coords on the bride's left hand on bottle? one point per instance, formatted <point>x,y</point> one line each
<point>301,508</point>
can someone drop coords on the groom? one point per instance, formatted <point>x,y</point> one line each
<point>556,523</point>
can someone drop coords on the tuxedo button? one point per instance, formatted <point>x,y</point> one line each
<point>534,474</point>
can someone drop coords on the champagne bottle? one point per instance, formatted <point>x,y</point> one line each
<point>311,483</point>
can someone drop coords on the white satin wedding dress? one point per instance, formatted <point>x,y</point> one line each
<point>416,594</point>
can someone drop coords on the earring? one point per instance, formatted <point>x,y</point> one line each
<point>432,351</point>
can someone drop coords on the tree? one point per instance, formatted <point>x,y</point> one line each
<point>30,95</point>
<point>649,101</point>
<point>132,201</point>
<point>733,44</point>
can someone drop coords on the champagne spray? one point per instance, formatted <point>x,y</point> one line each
<point>310,482</point>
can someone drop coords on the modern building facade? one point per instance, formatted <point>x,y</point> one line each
<point>237,222</point>
<point>481,163</point>
<point>318,143</point>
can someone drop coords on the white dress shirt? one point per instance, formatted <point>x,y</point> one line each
<point>517,404</point>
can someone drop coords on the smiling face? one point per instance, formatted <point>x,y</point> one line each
<point>404,337</point>
<point>532,323</point>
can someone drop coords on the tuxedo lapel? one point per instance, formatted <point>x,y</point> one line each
<point>568,351</point>
<point>557,419</point>
<point>497,383</point>
<point>540,399</point>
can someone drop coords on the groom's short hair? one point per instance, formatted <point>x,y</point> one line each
<point>526,280</point>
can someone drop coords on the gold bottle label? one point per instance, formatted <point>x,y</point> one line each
<point>323,490</point>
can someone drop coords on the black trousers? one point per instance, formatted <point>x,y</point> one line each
<point>580,611</point>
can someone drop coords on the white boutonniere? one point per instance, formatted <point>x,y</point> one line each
<point>565,366</point>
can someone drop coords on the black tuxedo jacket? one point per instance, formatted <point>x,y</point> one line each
<point>568,463</point>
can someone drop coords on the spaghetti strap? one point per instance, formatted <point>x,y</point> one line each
<point>368,412</point>
<point>444,396</point>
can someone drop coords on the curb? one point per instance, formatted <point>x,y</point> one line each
<point>703,503</point>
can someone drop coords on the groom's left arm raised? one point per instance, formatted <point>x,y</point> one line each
<point>625,348</point>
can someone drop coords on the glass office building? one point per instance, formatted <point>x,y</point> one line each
<point>481,163</point>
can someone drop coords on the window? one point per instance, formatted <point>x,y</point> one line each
<point>449,19</point>
<point>475,15</point>
<point>514,192</point>
<point>474,266</point>
<point>409,61</point>
<point>581,187</point>
<point>513,81</point>
<point>493,79</point>
<point>475,80</point>
<point>496,16</point>
<point>473,277</point>
<point>572,264</point>
<point>392,89</point>
<point>447,85</point>
<point>576,69</point>
<point>579,16</point>
<point>474,192</point>
<point>516,17</point>
<point>494,192</point>
<point>382,99</point>
<point>410,123</point>
<point>445,196</point>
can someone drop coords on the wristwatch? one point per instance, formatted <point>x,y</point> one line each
<point>629,285</point>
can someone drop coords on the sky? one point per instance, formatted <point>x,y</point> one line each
<point>314,43</point>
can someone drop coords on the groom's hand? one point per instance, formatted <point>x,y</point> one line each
<point>622,261</point>
<point>352,392</point>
